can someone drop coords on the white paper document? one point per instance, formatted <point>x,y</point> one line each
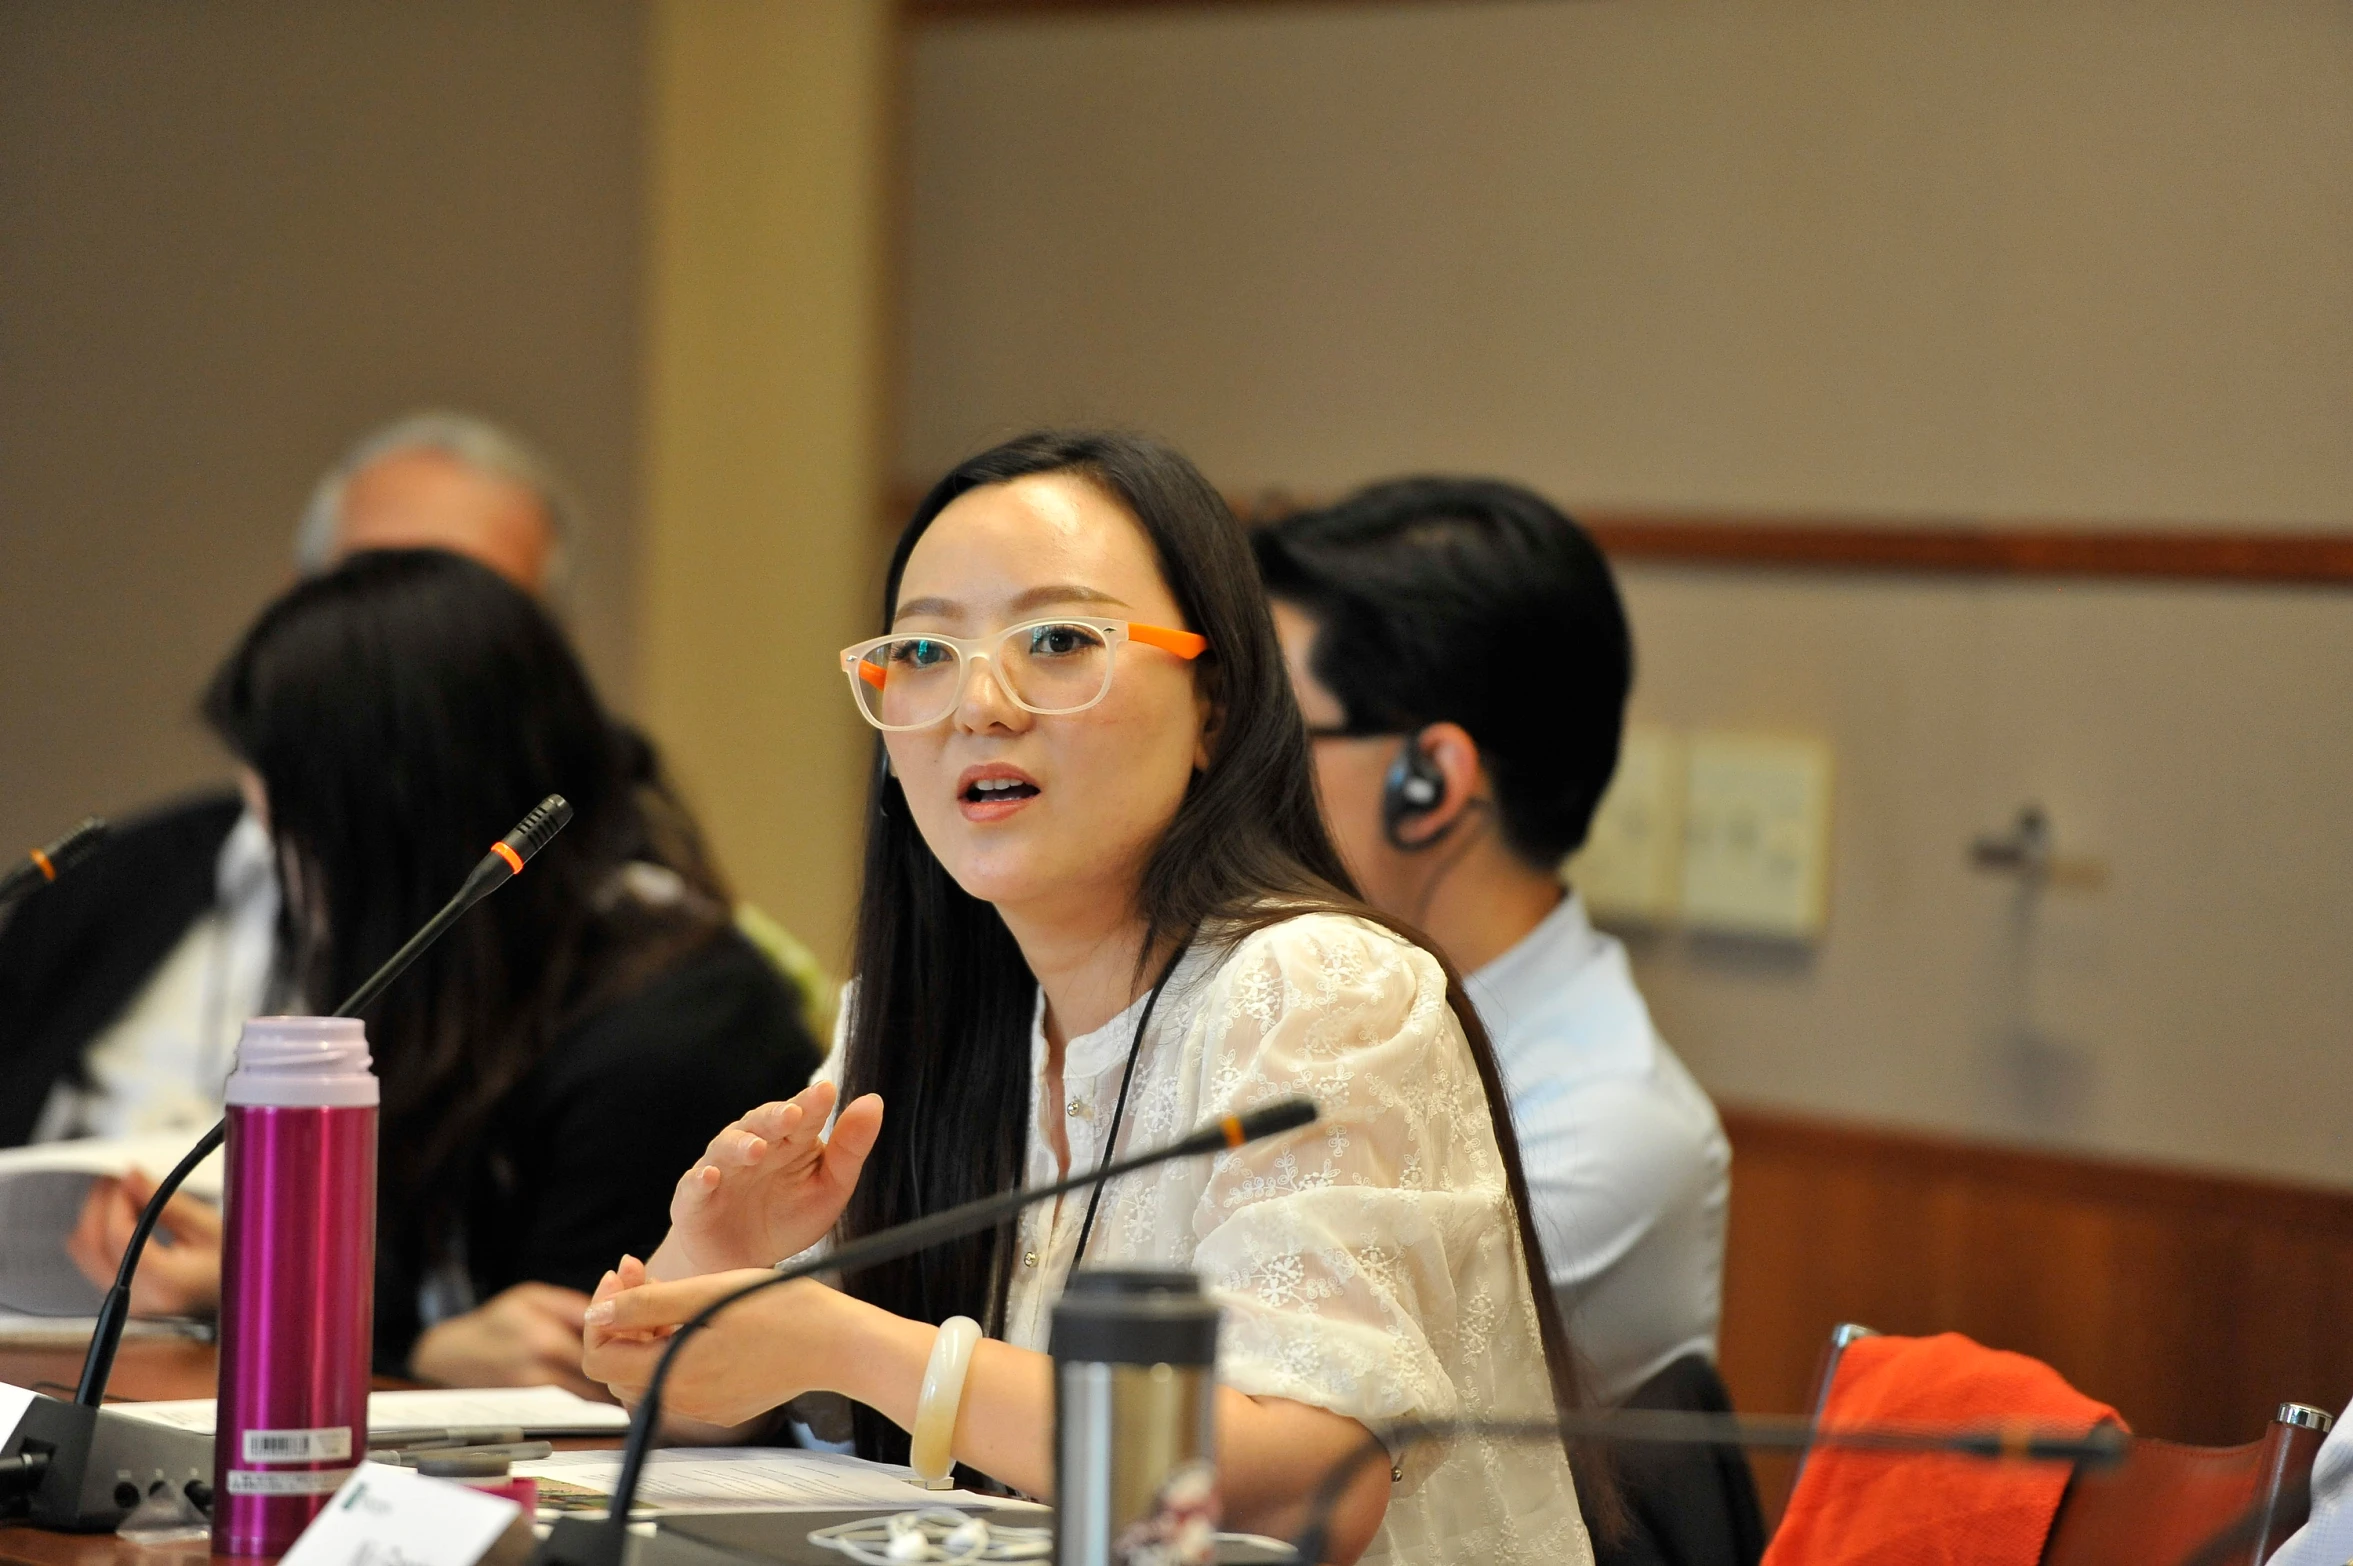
<point>42,1189</point>
<point>740,1479</point>
<point>13,1403</point>
<point>539,1411</point>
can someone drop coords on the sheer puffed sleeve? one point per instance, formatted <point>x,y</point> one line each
<point>1367,1264</point>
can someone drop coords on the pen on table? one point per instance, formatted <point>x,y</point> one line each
<point>507,1452</point>
<point>420,1438</point>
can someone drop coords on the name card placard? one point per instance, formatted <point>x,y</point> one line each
<point>385,1515</point>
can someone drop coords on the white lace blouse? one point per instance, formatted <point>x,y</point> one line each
<point>1367,1264</point>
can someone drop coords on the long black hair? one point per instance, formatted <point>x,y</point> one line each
<point>941,1021</point>
<point>403,711</point>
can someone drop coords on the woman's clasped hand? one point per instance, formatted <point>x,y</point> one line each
<point>763,1350</point>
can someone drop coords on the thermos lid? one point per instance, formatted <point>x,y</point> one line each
<point>303,1063</point>
<point>1135,1316</point>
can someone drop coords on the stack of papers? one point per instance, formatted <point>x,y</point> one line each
<point>741,1479</point>
<point>538,1411</point>
<point>18,1330</point>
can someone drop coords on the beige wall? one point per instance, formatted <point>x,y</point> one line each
<point>2079,260</point>
<point>232,237</point>
<point>763,469</point>
<point>2074,261</point>
<point>2191,740</point>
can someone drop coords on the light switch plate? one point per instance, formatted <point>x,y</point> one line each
<point>1756,835</point>
<point>1630,869</point>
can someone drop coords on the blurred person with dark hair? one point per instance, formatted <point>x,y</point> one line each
<point>1463,661</point>
<point>123,989</point>
<point>553,1060</point>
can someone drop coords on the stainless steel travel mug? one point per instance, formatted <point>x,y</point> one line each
<point>298,1278</point>
<point>1135,1410</point>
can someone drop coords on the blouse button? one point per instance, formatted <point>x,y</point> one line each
<point>1075,1109</point>
<point>1029,1258</point>
<point>1397,1474</point>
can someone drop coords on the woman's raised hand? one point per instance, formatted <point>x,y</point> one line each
<point>769,1186</point>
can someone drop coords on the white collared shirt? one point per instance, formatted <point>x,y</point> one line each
<point>1627,1164</point>
<point>162,1065</point>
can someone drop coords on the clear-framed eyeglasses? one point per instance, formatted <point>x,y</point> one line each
<point>1049,667</point>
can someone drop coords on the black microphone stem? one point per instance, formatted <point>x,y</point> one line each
<point>590,1544</point>
<point>114,1312</point>
<point>2102,1446</point>
<point>375,984</point>
<point>502,864</point>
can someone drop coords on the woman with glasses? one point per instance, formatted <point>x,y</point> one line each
<point>1099,908</point>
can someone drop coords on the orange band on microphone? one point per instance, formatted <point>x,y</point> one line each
<point>513,859</point>
<point>42,864</point>
<point>1231,1125</point>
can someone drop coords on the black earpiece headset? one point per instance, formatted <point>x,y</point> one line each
<point>1414,787</point>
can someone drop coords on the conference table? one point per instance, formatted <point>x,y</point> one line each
<point>147,1368</point>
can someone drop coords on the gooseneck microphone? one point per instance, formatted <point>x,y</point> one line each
<point>42,865</point>
<point>580,1541</point>
<point>502,864</point>
<point>2103,1446</point>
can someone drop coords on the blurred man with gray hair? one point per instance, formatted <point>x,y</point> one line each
<point>439,480</point>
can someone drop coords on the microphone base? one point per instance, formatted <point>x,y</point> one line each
<point>100,1464</point>
<point>583,1541</point>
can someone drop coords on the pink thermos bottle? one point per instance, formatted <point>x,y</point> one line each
<point>298,1278</point>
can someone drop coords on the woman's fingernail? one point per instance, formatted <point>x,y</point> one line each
<point>598,1315</point>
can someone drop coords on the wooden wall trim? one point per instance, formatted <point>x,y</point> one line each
<point>2313,558</point>
<point>920,11</point>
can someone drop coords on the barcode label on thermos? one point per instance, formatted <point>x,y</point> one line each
<point>332,1444</point>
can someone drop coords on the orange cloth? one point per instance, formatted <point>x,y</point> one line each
<point>1891,1509</point>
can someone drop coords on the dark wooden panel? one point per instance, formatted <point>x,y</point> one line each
<point>2194,1303</point>
<point>1899,546</point>
<point>1978,550</point>
<point>921,11</point>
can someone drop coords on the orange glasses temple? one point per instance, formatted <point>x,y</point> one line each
<point>871,673</point>
<point>1185,644</point>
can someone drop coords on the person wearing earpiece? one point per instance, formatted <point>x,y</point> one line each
<point>1462,659</point>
